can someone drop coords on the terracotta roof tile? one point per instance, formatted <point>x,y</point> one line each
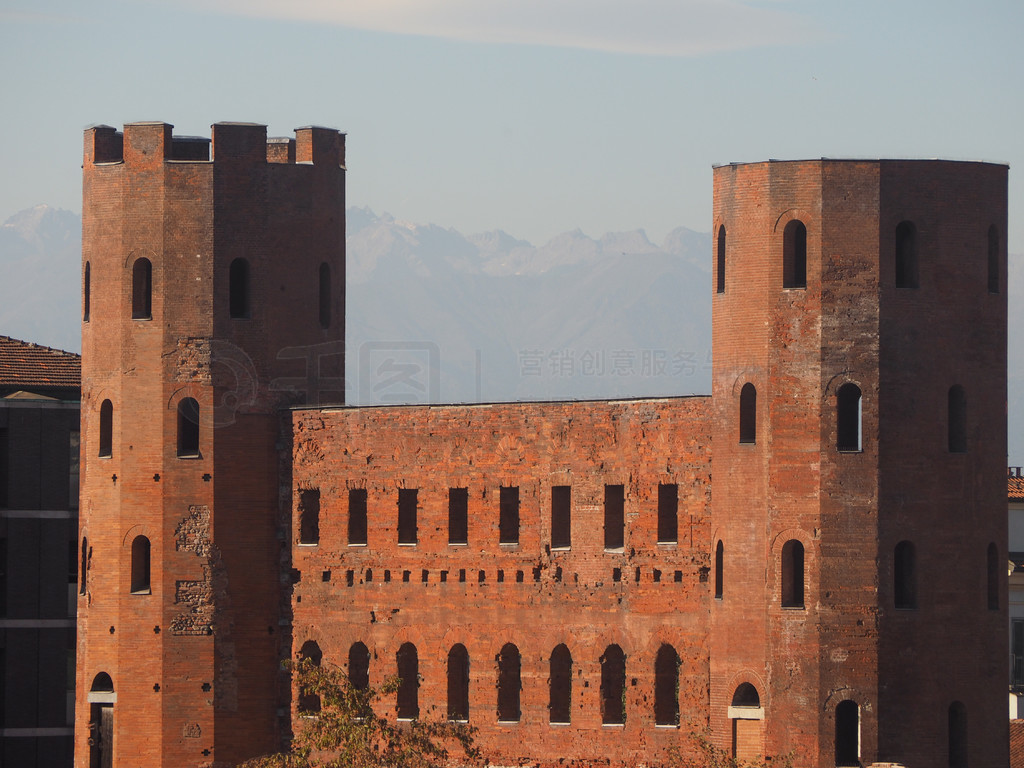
<point>24,365</point>
<point>1017,744</point>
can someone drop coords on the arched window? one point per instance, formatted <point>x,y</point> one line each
<point>746,695</point>
<point>101,698</point>
<point>721,260</point>
<point>666,686</point>
<point>848,418</point>
<point>904,576</point>
<point>957,735</point>
<point>847,733</point>
<point>83,569</point>
<point>794,255</point>
<point>310,702</point>
<point>509,684</point>
<point>142,290</point>
<point>906,255</point>
<point>993,577</point>
<point>747,718</point>
<point>188,427</point>
<point>238,289</point>
<point>359,666</point>
<point>140,566</point>
<point>560,686</point>
<point>748,414</point>
<point>793,574</point>
<point>719,568</point>
<point>325,295</point>
<point>993,259</point>
<point>957,419</point>
<point>458,683</point>
<point>408,704</point>
<point>613,686</point>
<point>85,294</point>
<point>106,429</point>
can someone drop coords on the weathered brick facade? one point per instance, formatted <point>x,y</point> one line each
<point>582,581</point>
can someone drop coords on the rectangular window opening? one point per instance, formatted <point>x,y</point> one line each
<point>614,516</point>
<point>357,516</point>
<point>508,515</point>
<point>309,516</point>
<point>668,513</point>
<point>458,515</point>
<point>407,502</point>
<point>561,517</point>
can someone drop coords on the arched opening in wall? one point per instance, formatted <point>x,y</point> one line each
<point>906,255</point>
<point>309,516</point>
<point>508,514</point>
<point>957,735</point>
<point>993,572</point>
<point>847,733</point>
<point>106,429</point>
<point>83,568</point>
<point>458,683</point>
<point>140,566</point>
<point>309,702</point>
<point>904,576</point>
<point>957,409</point>
<point>101,698</point>
<point>748,413</point>
<point>407,507</point>
<point>793,574</point>
<point>509,683</point>
<point>794,255</point>
<point>188,428</point>
<point>848,418</point>
<point>86,286</point>
<point>142,290</point>
<point>356,517</point>
<point>666,686</point>
<point>408,698</point>
<point>993,259</point>
<point>613,686</point>
<point>238,289</point>
<point>668,513</point>
<point>560,686</point>
<point>614,516</point>
<point>325,295</point>
<point>359,666</point>
<point>747,718</point>
<point>720,283</point>
<point>719,569</point>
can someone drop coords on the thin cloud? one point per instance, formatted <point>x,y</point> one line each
<point>652,27</point>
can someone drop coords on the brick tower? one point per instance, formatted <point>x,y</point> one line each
<point>859,529</point>
<point>213,295</point>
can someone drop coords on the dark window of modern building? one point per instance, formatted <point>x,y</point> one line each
<point>359,666</point>
<point>458,683</point>
<point>613,686</point>
<point>509,683</point>
<point>720,287</point>
<point>993,259</point>
<point>508,514</point>
<point>238,289</point>
<point>794,255</point>
<point>748,414</point>
<point>719,569</point>
<point>957,735</point>
<point>309,516</point>
<point>140,566</point>
<point>668,513</point>
<point>957,409</point>
<point>188,428</point>
<point>3,581</point>
<point>666,686</point>
<point>906,255</point>
<point>325,295</point>
<point>1017,653</point>
<point>357,516</point>
<point>993,572</point>
<point>847,733</point>
<point>5,458</point>
<point>142,290</point>
<point>106,429</point>
<point>407,502</point>
<point>309,702</point>
<point>614,516</point>
<point>458,515</point>
<point>74,460</point>
<point>904,576</point>
<point>86,286</point>
<point>848,418</point>
<point>793,574</point>
<point>560,693</point>
<point>408,699</point>
<point>561,516</point>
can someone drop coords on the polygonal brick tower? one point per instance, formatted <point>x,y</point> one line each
<point>859,524</point>
<point>213,296</point>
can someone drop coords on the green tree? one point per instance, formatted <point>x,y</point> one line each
<point>347,732</point>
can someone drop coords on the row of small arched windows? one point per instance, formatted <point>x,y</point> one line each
<point>239,294</point>
<point>508,682</point>
<point>794,256</point>
<point>188,429</point>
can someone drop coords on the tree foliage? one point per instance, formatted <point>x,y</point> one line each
<point>347,732</point>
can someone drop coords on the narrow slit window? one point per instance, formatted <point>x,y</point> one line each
<point>408,698</point>
<point>238,289</point>
<point>793,574</point>
<point>357,526</point>
<point>613,686</point>
<point>848,418</point>
<point>668,513</point>
<point>993,259</point>
<point>106,429</point>
<point>720,288</point>
<point>748,414</point>
<point>188,428</point>
<point>904,576</point>
<point>561,516</point>
<point>666,686</point>
<point>560,694</point>
<point>458,515</point>
<point>794,251</point>
<point>140,566</point>
<point>993,579</point>
<point>142,290</point>
<point>719,569</point>
<point>957,419</point>
<point>309,516</point>
<point>458,683</point>
<point>359,666</point>
<point>83,573</point>
<point>86,286</point>
<point>614,516</point>
<point>847,734</point>
<point>509,683</point>
<point>906,255</point>
<point>407,502</point>
<point>325,295</point>
<point>508,514</point>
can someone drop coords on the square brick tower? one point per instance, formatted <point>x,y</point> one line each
<point>199,263</point>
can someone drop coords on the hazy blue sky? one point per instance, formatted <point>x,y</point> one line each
<point>536,116</point>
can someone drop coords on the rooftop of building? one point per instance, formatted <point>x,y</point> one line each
<point>1015,484</point>
<point>32,368</point>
